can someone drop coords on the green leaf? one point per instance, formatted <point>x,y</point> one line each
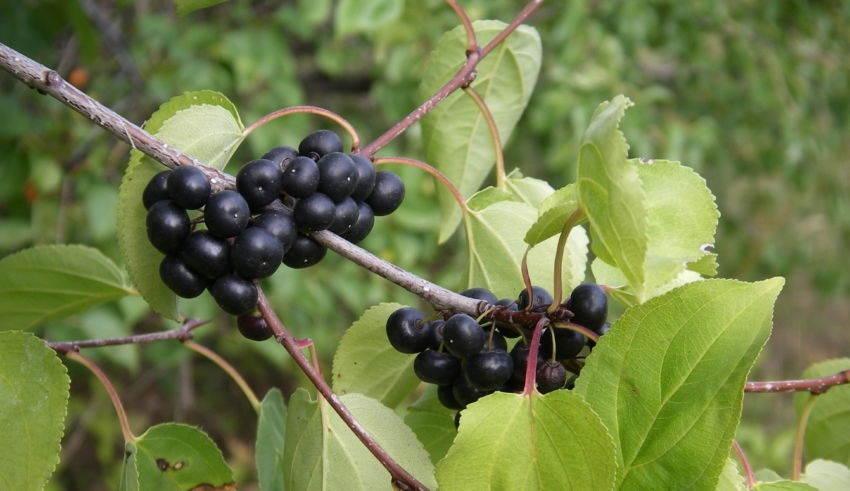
<point>366,363</point>
<point>509,441</point>
<point>731,479</point>
<point>609,191</point>
<point>667,380</point>
<point>321,452</point>
<point>365,15</point>
<point>495,237</point>
<point>527,189</point>
<point>50,282</point>
<point>433,424</point>
<point>35,388</point>
<point>783,486</point>
<point>271,438</point>
<point>552,214</point>
<point>204,125</point>
<point>829,421</point>
<point>176,457</point>
<point>455,134</point>
<point>826,475</point>
<point>188,6</point>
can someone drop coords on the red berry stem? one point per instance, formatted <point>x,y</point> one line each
<point>531,367</point>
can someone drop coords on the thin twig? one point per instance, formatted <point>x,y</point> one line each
<point>745,465</point>
<point>181,333</point>
<point>228,368</point>
<point>800,437</point>
<point>285,338</point>
<point>813,385</point>
<point>471,40</point>
<point>319,111</point>
<point>501,177</point>
<point>113,395</point>
<point>429,169</point>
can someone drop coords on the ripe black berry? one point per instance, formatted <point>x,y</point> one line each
<point>254,327</point>
<point>255,253</point>
<point>519,355</point>
<point>234,295</point>
<point>568,343</point>
<point>465,393</point>
<point>589,304</point>
<point>304,253</point>
<point>435,367</point>
<point>301,177</point>
<point>362,226</point>
<point>189,187</point>
<point>167,226</point>
<point>480,294</point>
<point>463,336</point>
<point>436,329</point>
<point>206,254</point>
<point>489,370</point>
<point>157,189</point>
<point>365,177</point>
<point>551,376</point>
<point>259,182</point>
<point>387,194</point>
<point>541,299</point>
<point>279,224</point>
<point>508,330</point>
<point>226,214</point>
<point>281,155</point>
<point>346,213</point>
<point>445,394</point>
<point>337,175</point>
<point>321,142</point>
<point>407,330</point>
<point>180,279</point>
<point>314,213</point>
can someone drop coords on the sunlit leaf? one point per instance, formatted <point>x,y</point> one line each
<point>825,475</point>
<point>35,388</point>
<point>552,214</point>
<point>667,379</point>
<point>43,283</point>
<point>455,133</point>
<point>365,15</point>
<point>509,441</point>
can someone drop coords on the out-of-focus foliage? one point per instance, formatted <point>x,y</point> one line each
<point>753,95</point>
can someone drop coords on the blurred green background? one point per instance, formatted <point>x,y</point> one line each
<point>753,95</point>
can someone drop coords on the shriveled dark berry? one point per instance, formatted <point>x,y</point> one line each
<point>206,254</point>
<point>254,327</point>
<point>541,299</point>
<point>255,253</point>
<point>259,182</point>
<point>301,177</point>
<point>236,296</point>
<point>157,189</point>
<point>362,226</point>
<point>279,224</point>
<point>407,330</point>
<point>321,142</point>
<point>463,336</point>
<point>189,187</point>
<point>314,213</point>
<point>387,194</point>
<point>346,213</point>
<point>365,177</point>
<point>489,370</point>
<point>281,155</point>
<point>435,367</point>
<point>551,376</point>
<point>337,175</point>
<point>226,214</point>
<point>179,278</point>
<point>589,305</point>
<point>167,226</point>
<point>305,252</point>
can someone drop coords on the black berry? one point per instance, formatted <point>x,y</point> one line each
<point>156,190</point>
<point>226,214</point>
<point>255,253</point>
<point>480,294</point>
<point>407,330</point>
<point>365,177</point>
<point>254,327</point>
<point>362,226</point>
<point>304,253</point>
<point>279,224</point>
<point>551,376</point>
<point>180,279</point>
<point>507,329</point>
<point>206,254</point>
<point>589,305</point>
<point>541,299</point>
<point>321,142</point>
<point>281,155</point>
<point>346,213</point>
<point>189,187</point>
<point>435,367</point>
<point>489,370</point>
<point>387,194</point>
<point>301,177</point>
<point>568,343</point>
<point>259,182</point>
<point>445,394</point>
<point>167,226</point>
<point>314,213</point>
<point>463,336</point>
<point>337,175</point>
<point>465,393</point>
<point>234,295</point>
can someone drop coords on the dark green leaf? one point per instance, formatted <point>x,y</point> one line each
<point>829,421</point>
<point>365,15</point>
<point>271,438</point>
<point>51,282</point>
<point>433,424</point>
<point>667,380</point>
<point>35,387</point>
<point>187,6</point>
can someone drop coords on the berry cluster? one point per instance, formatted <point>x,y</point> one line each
<point>467,359</point>
<point>249,232</point>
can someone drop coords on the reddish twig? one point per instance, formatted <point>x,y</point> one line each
<point>181,333</point>
<point>399,474</point>
<point>745,465</point>
<point>113,395</point>
<point>813,385</point>
<point>471,40</point>
<point>319,111</point>
<point>461,202</point>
